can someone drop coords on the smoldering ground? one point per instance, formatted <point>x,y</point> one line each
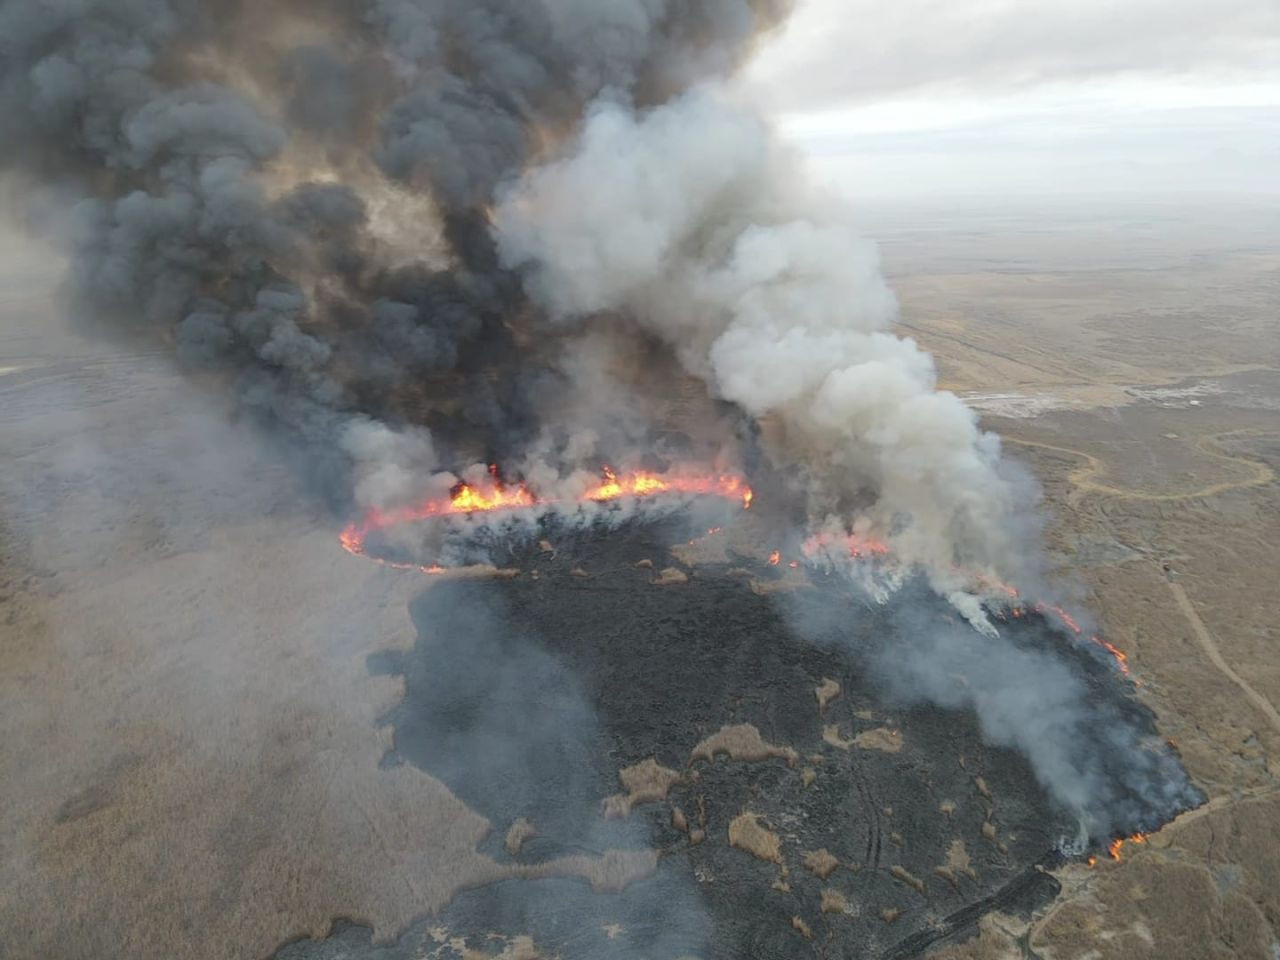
<point>1059,697</point>
<point>610,668</point>
<point>1036,687</point>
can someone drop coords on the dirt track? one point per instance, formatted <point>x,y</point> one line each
<point>1084,479</point>
<point>1214,652</point>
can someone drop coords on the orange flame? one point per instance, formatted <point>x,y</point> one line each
<point>1068,621</point>
<point>464,499</point>
<point>1120,657</point>
<point>1017,611</point>
<point>467,499</point>
<point>1117,845</point>
<point>728,486</point>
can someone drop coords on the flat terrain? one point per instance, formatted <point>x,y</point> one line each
<point>1131,358</point>
<point>194,743</point>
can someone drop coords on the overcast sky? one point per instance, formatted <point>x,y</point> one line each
<point>955,97</point>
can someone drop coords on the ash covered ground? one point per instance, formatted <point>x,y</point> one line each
<point>575,706</point>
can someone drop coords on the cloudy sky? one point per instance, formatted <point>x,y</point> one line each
<point>957,97</point>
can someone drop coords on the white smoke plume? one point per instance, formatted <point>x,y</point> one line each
<point>689,220</point>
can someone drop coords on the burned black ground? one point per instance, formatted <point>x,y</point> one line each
<point>527,696</point>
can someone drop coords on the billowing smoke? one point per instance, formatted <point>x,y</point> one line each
<point>294,195</point>
<point>299,199</point>
<point>415,236</point>
<point>690,221</point>
<point>1102,763</point>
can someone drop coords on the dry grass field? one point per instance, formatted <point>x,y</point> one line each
<point>1131,359</point>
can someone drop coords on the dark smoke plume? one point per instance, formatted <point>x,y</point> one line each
<point>296,197</point>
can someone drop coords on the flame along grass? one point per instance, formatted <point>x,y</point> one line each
<point>1116,848</point>
<point>469,499</point>
<point>1017,610</point>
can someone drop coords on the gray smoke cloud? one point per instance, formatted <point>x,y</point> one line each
<point>244,213</point>
<point>1096,761</point>
<point>1034,686</point>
